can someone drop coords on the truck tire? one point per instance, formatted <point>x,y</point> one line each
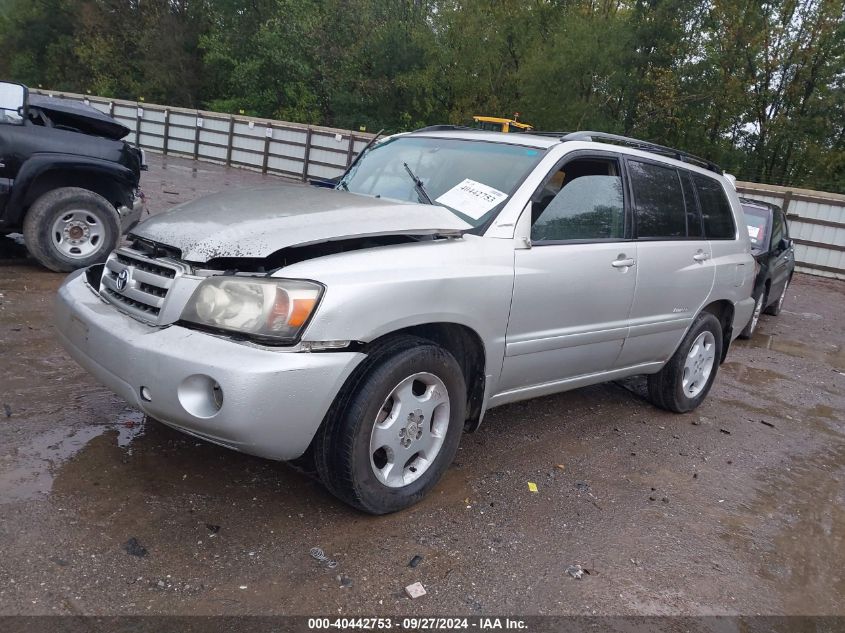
<point>685,380</point>
<point>395,428</point>
<point>70,228</point>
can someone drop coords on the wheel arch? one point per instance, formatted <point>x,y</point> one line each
<point>43,174</point>
<point>465,344</point>
<point>723,310</point>
<point>91,180</point>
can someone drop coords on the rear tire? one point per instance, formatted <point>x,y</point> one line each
<point>410,400</point>
<point>685,380</point>
<point>70,228</point>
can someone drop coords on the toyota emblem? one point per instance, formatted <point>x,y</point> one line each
<point>122,279</point>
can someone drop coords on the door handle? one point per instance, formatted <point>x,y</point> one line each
<point>701,256</point>
<point>623,263</point>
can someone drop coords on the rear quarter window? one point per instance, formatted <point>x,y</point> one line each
<point>716,215</point>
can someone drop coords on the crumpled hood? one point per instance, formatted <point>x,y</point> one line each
<point>256,222</point>
<point>85,118</point>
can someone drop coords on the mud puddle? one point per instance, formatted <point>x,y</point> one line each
<point>833,355</point>
<point>795,521</point>
<point>29,470</point>
<point>756,376</point>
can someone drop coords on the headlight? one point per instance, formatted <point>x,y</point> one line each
<point>264,308</point>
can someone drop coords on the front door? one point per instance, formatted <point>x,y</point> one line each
<point>574,286</point>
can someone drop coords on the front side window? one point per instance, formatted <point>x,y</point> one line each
<point>583,200</point>
<point>660,210</point>
<point>716,214</point>
<point>473,179</point>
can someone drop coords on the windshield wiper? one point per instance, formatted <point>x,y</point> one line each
<point>418,185</point>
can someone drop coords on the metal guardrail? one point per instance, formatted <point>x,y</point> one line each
<point>816,224</point>
<point>280,147</point>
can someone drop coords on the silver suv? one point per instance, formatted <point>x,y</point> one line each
<point>359,331</point>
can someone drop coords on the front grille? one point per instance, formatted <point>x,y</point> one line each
<point>138,284</point>
<point>145,265</point>
<point>132,303</point>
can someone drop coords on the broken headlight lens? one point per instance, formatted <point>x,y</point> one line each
<point>262,308</point>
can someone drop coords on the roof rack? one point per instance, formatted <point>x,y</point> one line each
<point>635,143</point>
<point>654,148</point>
<point>445,128</point>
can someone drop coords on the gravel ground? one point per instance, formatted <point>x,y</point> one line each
<point>736,508</point>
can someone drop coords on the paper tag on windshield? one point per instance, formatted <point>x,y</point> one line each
<point>754,232</point>
<point>472,198</point>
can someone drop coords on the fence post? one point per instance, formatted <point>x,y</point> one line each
<point>166,132</point>
<point>197,136</point>
<point>307,154</point>
<point>268,134</point>
<point>139,114</point>
<point>350,150</point>
<point>787,198</point>
<point>231,141</point>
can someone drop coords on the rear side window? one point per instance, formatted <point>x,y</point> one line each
<point>716,214</point>
<point>659,201</point>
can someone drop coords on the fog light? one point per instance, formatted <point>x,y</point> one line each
<point>200,395</point>
<point>146,396</point>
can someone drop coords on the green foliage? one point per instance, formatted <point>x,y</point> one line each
<point>757,86</point>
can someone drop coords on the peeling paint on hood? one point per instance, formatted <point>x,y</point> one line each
<point>256,222</point>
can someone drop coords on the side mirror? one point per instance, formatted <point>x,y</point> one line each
<point>785,243</point>
<point>14,99</point>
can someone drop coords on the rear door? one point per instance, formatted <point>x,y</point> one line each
<point>674,261</point>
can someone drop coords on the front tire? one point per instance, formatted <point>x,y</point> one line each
<point>685,380</point>
<point>394,431</point>
<point>70,228</point>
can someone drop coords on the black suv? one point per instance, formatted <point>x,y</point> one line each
<point>67,181</point>
<point>774,253</point>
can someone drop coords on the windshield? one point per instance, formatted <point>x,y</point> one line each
<point>758,221</point>
<point>473,179</point>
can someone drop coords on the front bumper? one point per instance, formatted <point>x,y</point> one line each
<point>130,216</point>
<point>272,401</point>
